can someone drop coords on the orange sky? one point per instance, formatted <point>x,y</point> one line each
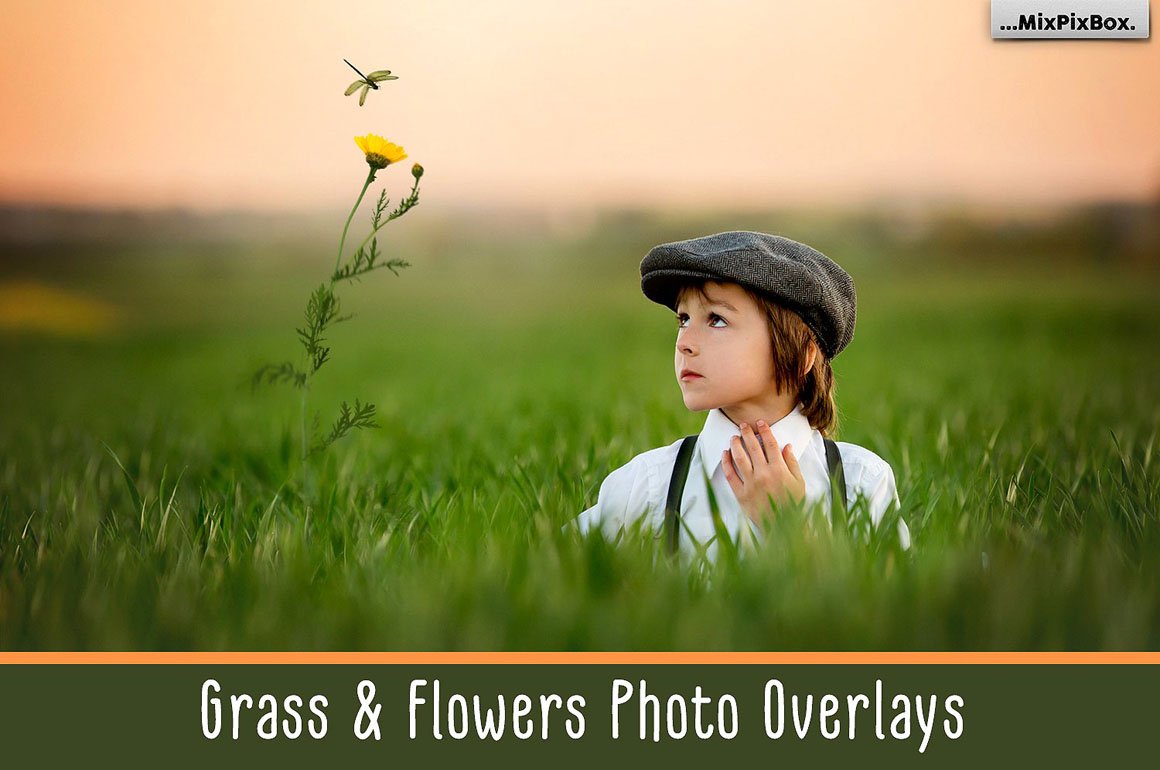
<point>219,104</point>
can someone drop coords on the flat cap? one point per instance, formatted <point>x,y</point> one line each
<point>794,275</point>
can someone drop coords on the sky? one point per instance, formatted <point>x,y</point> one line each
<point>232,104</point>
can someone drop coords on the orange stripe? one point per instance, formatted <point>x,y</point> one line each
<point>582,658</point>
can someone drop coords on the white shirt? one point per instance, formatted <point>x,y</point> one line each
<point>637,490</point>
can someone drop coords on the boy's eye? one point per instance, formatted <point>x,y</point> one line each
<point>682,318</point>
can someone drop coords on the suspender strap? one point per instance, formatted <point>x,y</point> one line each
<point>676,489</point>
<point>838,502</point>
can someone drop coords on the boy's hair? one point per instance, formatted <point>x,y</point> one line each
<point>790,340</point>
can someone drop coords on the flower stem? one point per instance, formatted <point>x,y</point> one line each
<point>342,241</point>
<point>305,440</point>
<point>390,218</point>
<point>308,364</point>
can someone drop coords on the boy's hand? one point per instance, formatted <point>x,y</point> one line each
<point>761,473</point>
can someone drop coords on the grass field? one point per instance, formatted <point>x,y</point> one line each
<point>1017,404</point>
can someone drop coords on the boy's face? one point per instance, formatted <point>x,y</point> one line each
<point>726,342</point>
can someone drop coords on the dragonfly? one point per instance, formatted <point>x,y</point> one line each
<point>367,82</point>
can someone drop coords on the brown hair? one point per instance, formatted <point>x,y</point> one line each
<point>790,340</point>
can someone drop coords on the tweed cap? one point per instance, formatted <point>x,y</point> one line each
<point>792,274</point>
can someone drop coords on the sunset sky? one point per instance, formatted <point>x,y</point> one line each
<point>218,104</point>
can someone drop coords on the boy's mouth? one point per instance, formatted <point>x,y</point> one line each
<point>689,374</point>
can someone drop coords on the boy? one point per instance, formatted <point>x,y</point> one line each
<point>760,317</point>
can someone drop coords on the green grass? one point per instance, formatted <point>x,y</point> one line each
<point>1017,406</point>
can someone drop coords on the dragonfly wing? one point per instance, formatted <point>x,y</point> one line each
<point>381,75</point>
<point>362,97</point>
<point>354,87</point>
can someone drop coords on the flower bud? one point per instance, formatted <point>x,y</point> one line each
<point>416,171</point>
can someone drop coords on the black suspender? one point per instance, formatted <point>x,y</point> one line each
<point>676,489</point>
<point>837,487</point>
<point>681,472</point>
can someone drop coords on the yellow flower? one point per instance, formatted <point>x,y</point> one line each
<point>380,153</point>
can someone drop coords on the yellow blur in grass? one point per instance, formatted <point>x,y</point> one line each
<point>40,307</point>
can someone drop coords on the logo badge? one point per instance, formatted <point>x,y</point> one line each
<point>1069,19</point>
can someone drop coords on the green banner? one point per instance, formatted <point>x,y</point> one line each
<point>569,716</point>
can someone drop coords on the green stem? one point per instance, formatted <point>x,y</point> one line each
<point>307,366</point>
<point>305,394</point>
<point>342,242</point>
<point>384,223</point>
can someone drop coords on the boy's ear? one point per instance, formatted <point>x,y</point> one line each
<point>811,356</point>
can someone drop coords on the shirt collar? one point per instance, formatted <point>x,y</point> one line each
<point>794,429</point>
